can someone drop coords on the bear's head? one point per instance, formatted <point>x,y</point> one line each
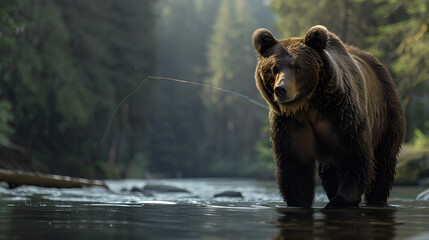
<point>288,70</point>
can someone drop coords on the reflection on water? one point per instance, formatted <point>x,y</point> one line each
<point>40,213</point>
<point>362,223</point>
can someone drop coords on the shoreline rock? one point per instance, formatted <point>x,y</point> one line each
<point>231,194</point>
<point>160,188</point>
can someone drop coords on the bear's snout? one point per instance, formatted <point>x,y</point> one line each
<point>285,91</point>
<point>280,92</point>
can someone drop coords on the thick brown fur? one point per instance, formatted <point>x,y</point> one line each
<point>332,107</point>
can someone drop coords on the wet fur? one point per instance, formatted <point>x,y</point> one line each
<point>349,125</point>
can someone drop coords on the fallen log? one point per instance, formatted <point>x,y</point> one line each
<point>17,178</point>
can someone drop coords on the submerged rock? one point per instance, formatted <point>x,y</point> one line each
<point>142,191</point>
<point>4,185</point>
<point>160,188</point>
<point>232,194</point>
<point>423,195</point>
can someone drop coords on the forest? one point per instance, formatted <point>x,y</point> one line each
<point>66,65</point>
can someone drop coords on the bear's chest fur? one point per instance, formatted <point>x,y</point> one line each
<point>315,136</point>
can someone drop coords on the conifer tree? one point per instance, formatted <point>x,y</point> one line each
<point>230,122</point>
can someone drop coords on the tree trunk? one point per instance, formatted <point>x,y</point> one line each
<point>113,148</point>
<point>17,178</point>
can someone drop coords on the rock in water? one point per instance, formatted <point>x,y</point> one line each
<point>232,194</point>
<point>142,191</point>
<point>423,195</point>
<point>159,188</point>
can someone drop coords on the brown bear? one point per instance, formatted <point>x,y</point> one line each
<point>333,103</point>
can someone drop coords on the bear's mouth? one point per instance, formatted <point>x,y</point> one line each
<point>288,99</point>
<point>293,105</point>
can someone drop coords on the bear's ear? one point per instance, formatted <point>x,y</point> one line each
<point>263,40</point>
<point>317,37</point>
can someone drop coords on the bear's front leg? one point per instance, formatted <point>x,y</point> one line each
<point>356,173</point>
<point>296,181</point>
<point>294,154</point>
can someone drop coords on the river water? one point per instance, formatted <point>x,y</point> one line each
<point>29,212</point>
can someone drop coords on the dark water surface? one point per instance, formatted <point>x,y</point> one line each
<point>41,213</point>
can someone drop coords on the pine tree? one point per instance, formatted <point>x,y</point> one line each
<point>68,64</point>
<point>349,19</point>
<point>115,45</point>
<point>230,123</point>
<point>402,43</point>
<point>183,29</point>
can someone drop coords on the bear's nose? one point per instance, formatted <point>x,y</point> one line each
<point>280,92</point>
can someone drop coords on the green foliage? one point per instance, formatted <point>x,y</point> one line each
<point>264,150</point>
<point>232,124</point>
<point>68,63</point>
<point>231,32</point>
<point>174,139</point>
<point>413,161</point>
<point>347,18</point>
<point>420,140</point>
<point>197,131</point>
<point>401,42</point>
<point>139,167</point>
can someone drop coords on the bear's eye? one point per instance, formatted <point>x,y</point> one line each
<point>275,70</point>
<point>297,68</point>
